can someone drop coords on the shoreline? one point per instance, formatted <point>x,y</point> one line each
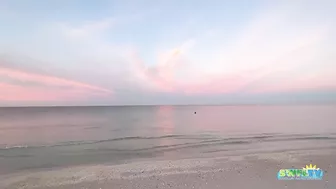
<point>241,171</point>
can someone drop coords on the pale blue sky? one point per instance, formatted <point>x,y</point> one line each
<point>166,52</point>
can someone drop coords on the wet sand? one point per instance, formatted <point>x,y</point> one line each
<point>248,171</point>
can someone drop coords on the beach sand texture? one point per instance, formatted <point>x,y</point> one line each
<point>249,171</point>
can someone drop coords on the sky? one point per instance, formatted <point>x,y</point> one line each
<point>131,52</point>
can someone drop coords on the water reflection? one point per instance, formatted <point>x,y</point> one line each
<point>165,121</point>
<point>165,125</point>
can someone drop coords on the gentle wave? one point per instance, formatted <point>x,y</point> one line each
<point>74,143</point>
<point>18,146</point>
<point>205,140</point>
<point>35,127</point>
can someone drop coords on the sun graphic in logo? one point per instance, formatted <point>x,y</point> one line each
<point>310,167</point>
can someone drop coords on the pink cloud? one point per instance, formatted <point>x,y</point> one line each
<point>255,80</point>
<point>162,78</point>
<point>157,77</point>
<point>19,93</point>
<point>48,88</point>
<point>242,70</point>
<point>260,55</point>
<point>48,80</point>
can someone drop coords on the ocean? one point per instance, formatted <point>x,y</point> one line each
<point>34,138</point>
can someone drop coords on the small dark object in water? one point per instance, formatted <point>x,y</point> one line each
<point>195,112</point>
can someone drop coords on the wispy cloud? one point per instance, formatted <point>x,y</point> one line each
<point>17,93</point>
<point>162,76</point>
<point>262,52</point>
<point>86,29</point>
<point>48,80</point>
<point>18,85</point>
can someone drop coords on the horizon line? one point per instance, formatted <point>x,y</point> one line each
<point>133,105</point>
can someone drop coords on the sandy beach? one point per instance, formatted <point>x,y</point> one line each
<point>248,171</point>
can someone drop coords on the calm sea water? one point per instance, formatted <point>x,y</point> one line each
<point>37,138</point>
